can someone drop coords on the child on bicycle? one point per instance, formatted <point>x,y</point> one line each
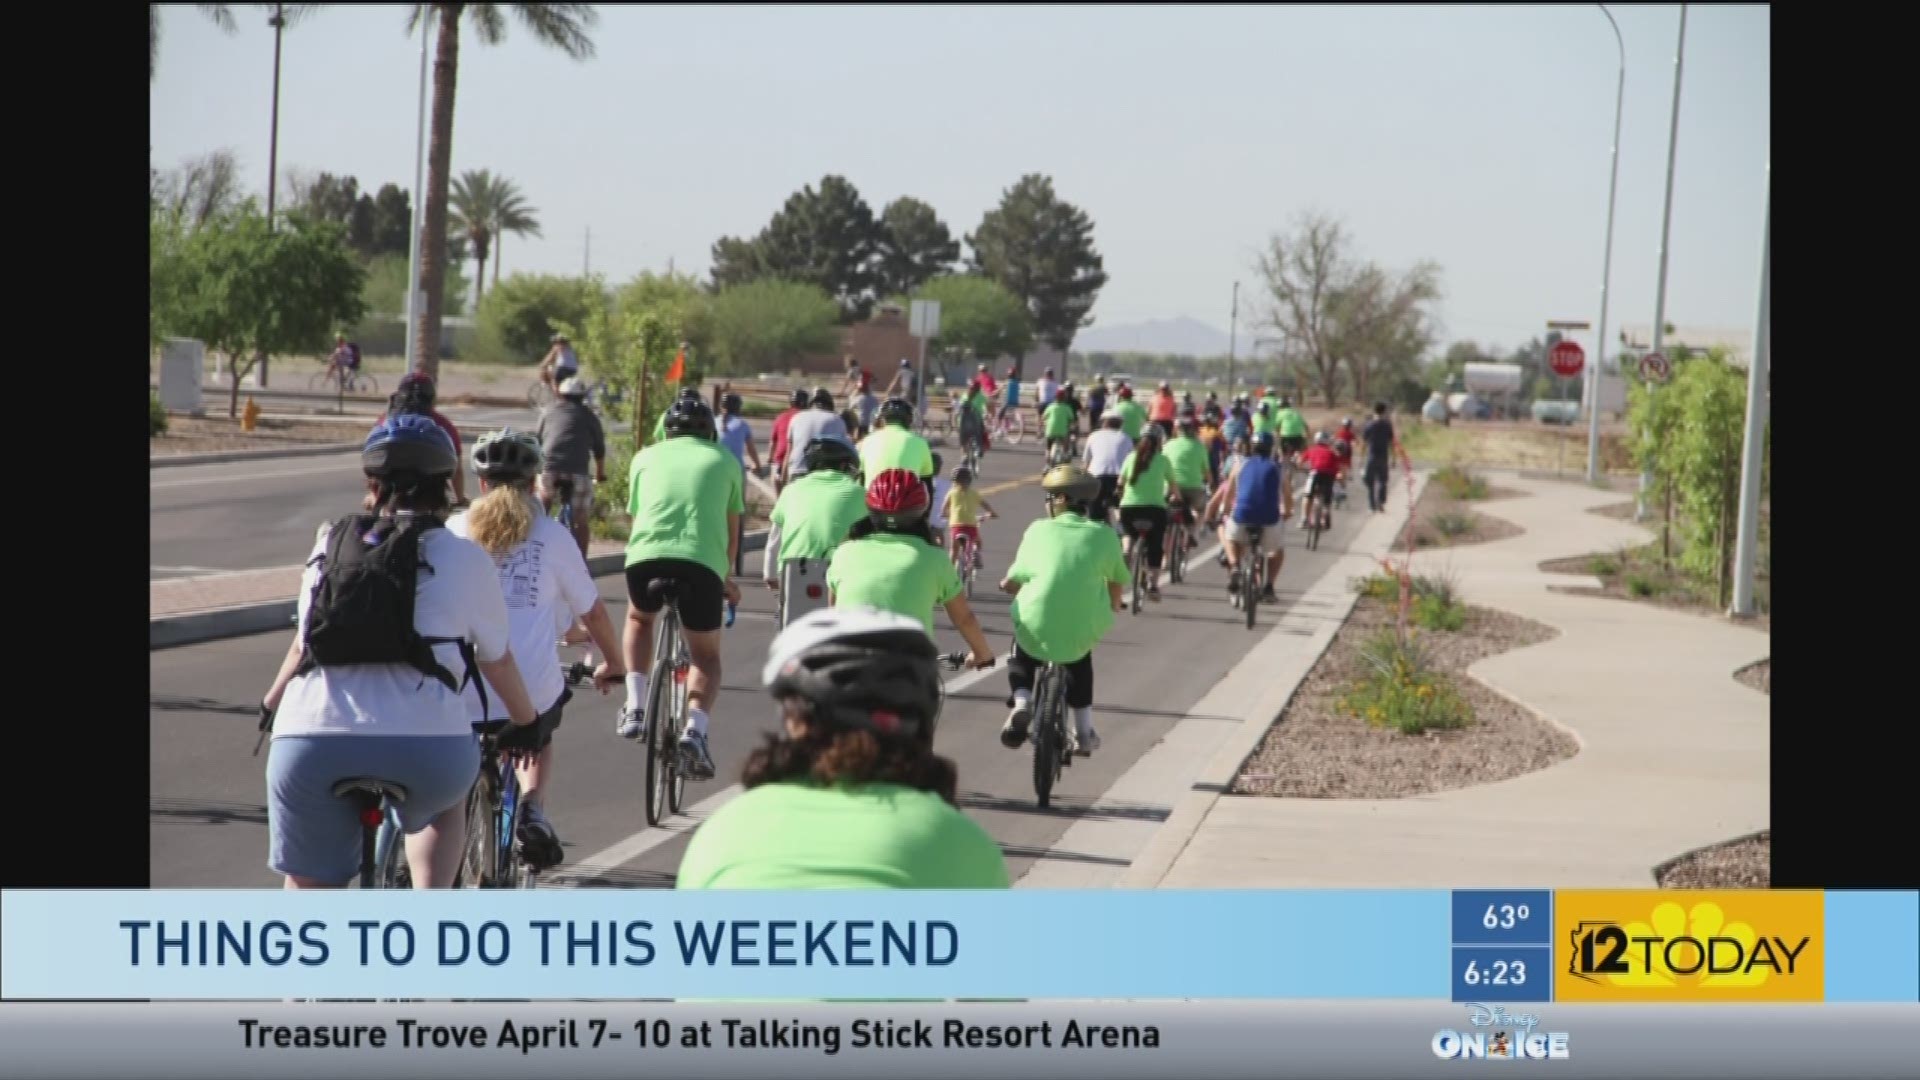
<point>1056,423</point>
<point>972,418</point>
<point>963,511</point>
<point>1324,467</point>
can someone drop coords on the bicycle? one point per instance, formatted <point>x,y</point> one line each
<point>343,381</point>
<point>1318,518</point>
<point>383,850</point>
<point>540,395</point>
<point>1011,426</point>
<point>1062,452</point>
<point>495,812</point>
<point>803,589</point>
<point>1177,543</point>
<point>963,561</point>
<point>1247,597</point>
<point>1137,568</point>
<point>1054,740</point>
<point>666,783</point>
<point>972,447</point>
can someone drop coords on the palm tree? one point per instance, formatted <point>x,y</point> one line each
<point>484,207</point>
<point>217,12</point>
<point>559,25</point>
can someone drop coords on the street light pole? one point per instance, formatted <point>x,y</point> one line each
<point>1233,327</point>
<point>1606,266</point>
<point>1666,225</point>
<point>1746,543</point>
<point>278,21</point>
<point>419,202</point>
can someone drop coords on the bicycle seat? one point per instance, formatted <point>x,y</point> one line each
<point>1141,525</point>
<point>370,785</point>
<point>666,590</point>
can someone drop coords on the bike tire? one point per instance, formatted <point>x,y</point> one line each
<point>1250,586</point>
<point>393,872</point>
<point>1313,529</point>
<point>1016,429</point>
<point>1046,752</point>
<point>1177,554</point>
<point>537,396</point>
<point>660,750</point>
<point>476,863</point>
<point>1135,564</point>
<point>320,383</point>
<point>677,777</point>
<point>366,384</point>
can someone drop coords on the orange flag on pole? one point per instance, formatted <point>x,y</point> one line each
<point>678,369</point>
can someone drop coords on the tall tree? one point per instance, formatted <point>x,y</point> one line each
<point>1041,249</point>
<point>392,220</point>
<point>484,207</point>
<point>914,246</point>
<point>562,26</point>
<point>828,238</point>
<point>201,189</point>
<point>979,318</point>
<point>516,217</point>
<point>219,13</point>
<point>735,262</point>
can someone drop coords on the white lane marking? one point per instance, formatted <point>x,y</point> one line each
<point>574,875</point>
<point>229,478</point>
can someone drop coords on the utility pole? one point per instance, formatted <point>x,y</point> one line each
<point>1606,267</point>
<point>1666,226</point>
<point>416,302</point>
<point>586,264</point>
<point>1233,327</point>
<point>1747,541</point>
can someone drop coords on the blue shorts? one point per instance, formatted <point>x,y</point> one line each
<point>315,833</point>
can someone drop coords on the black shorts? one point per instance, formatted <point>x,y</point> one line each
<point>1292,444</point>
<point>702,599</point>
<point>1109,495</point>
<point>1321,487</point>
<point>545,726</point>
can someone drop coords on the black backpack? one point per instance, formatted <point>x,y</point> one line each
<point>361,611</point>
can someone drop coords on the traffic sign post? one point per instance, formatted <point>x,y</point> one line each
<point>923,322</point>
<point>1566,358</point>
<point>1656,368</point>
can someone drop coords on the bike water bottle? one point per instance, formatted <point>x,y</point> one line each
<point>730,610</point>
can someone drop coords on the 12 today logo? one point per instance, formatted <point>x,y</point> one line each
<point>1689,946</point>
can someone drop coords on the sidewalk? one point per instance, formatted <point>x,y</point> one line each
<point>1674,753</point>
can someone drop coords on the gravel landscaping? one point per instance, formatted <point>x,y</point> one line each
<point>1317,750</point>
<point>1759,676</point>
<point>1745,863</point>
<point>201,434</point>
<point>1463,524</point>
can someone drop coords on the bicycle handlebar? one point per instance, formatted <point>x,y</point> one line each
<point>954,661</point>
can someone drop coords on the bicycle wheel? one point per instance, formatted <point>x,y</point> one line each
<point>1136,567</point>
<point>322,383</point>
<point>1313,524</point>
<point>662,747</point>
<point>677,778</point>
<point>538,396</point>
<point>963,556</point>
<point>393,872</point>
<point>1014,429</point>
<point>1176,553</point>
<point>1046,739</point>
<point>365,384</point>
<point>478,866</point>
<point>1250,583</point>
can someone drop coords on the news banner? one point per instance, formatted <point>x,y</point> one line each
<point>1241,983</point>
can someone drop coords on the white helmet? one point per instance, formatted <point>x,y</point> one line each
<point>904,362</point>
<point>573,387</point>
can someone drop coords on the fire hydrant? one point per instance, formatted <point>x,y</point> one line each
<point>249,416</point>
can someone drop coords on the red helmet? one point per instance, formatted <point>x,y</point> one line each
<point>897,497</point>
<point>1126,393</point>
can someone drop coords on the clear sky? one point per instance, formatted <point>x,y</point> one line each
<point>1474,136</point>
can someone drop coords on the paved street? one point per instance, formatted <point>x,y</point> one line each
<point>208,820</point>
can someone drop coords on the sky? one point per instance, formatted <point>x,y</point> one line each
<point>1477,137</point>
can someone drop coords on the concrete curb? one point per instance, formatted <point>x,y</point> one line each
<point>239,620</point>
<point>216,457</point>
<point>1281,678</point>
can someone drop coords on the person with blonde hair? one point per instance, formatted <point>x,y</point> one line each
<point>547,586</point>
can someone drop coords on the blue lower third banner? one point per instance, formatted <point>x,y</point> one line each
<point>225,944</point>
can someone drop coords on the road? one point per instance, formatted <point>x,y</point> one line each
<point>208,819</point>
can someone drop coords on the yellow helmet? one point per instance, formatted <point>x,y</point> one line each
<point>1070,483</point>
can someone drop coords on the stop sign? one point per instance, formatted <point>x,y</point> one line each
<point>1566,359</point>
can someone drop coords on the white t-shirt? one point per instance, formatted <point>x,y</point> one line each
<point>546,585</point>
<point>460,598</point>
<point>1107,451</point>
<point>807,426</point>
<point>566,362</point>
<point>1046,389</point>
<point>938,514</point>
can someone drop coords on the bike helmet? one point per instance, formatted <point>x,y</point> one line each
<point>858,669</point>
<point>1049,373</point>
<point>800,399</point>
<point>573,387</point>
<point>1150,435</point>
<point>1322,438</point>
<point>1263,444</point>
<point>1126,392</point>
<point>418,385</point>
<point>897,412</point>
<point>557,339</point>
<point>1070,484</point>
<point>508,456</point>
<point>962,475</point>
<point>830,453</point>
<point>688,393</point>
<point>690,416</point>
<point>983,367</point>
<point>408,443</point>
<point>1346,421</point>
<point>822,399</point>
<point>731,404</point>
<point>897,497</point>
<point>1189,426</point>
<point>1112,418</point>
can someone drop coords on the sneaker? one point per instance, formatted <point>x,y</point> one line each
<point>539,843</point>
<point>1267,595</point>
<point>1089,741</point>
<point>632,723</point>
<point>1153,593</point>
<point>1233,583</point>
<point>1013,733</point>
<point>694,759</point>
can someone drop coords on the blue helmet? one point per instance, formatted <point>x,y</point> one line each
<point>1263,444</point>
<point>411,443</point>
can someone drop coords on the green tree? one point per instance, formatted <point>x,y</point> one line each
<point>1701,456</point>
<point>524,311</point>
<point>200,189</point>
<point>678,300</point>
<point>1041,249</point>
<point>562,26</point>
<point>392,221</point>
<point>765,325</point>
<point>914,246</point>
<point>386,289</point>
<point>979,318</point>
<point>486,206</point>
<point>252,292</point>
<point>827,238</point>
<point>735,262</point>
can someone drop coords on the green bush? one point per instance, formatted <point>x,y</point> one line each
<point>1401,690</point>
<point>523,312</point>
<point>1603,566</point>
<point>1435,613</point>
<point>1460,483</point>
<point>1453,523</point>
<point>1642,585</point>
<point>156,416</point>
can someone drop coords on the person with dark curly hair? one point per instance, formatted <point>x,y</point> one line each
<point>848,792</point>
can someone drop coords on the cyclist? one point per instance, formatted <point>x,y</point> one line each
<point>1045,390</point>
<point>1164,409</point>
<point>983,381</point>
<point>1097,400</point>
<point>779,443</point>
<point>415,395</point>
<point>685,501</point>
<point>1010,399</point>
<point>571,439</point>
<point>819,422</point>
<point>1056,424</point>
<point>1146,479</point>
<point>963,510</point>
<point>545,584</point>
<point>1066,583</point>
<point>1343,441</point>
<point>1256,489</point>
<point>687,393</point>
<point>345,359</point>
<point>1292,428</point>
<point>904,382</point>
<point>560,363</point>
<point>1379,436</point>
<point>896,446</point>
<point>973,420</point>
<point>942,484</point>
<point>864,404</point>
<point>1324,467</point>
<point>892,561</point>
<point>1133,417</point>
<point>814,513</point>
<point>398,719</point>
<point>1238,426</point>
<point>1107,450</point>
<point>1212,441</point>
<point>1264,420</point>
<point>848,792</point>
<point>1192,472</point>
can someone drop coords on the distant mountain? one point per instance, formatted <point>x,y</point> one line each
<point>1181,337</point>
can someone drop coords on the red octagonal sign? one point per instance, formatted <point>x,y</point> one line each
<point>1566,359</point>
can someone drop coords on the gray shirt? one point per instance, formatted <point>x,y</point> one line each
<point>807,426</point>
<point>571,436</point>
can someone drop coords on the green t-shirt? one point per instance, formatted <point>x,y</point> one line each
<point>1292,424</point>
<point>1149,487</point>
<point>815,512</point>
<point>1133,419</point>
<point>1063,566</point>
<point>894,447</point>
<point>979,403</point>
<point>679,493</point>
<point>902,574</point>
<point>1263,422</point>
<point>1188,460</point>
<point>847,836</point>
<point>1057,420</point>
